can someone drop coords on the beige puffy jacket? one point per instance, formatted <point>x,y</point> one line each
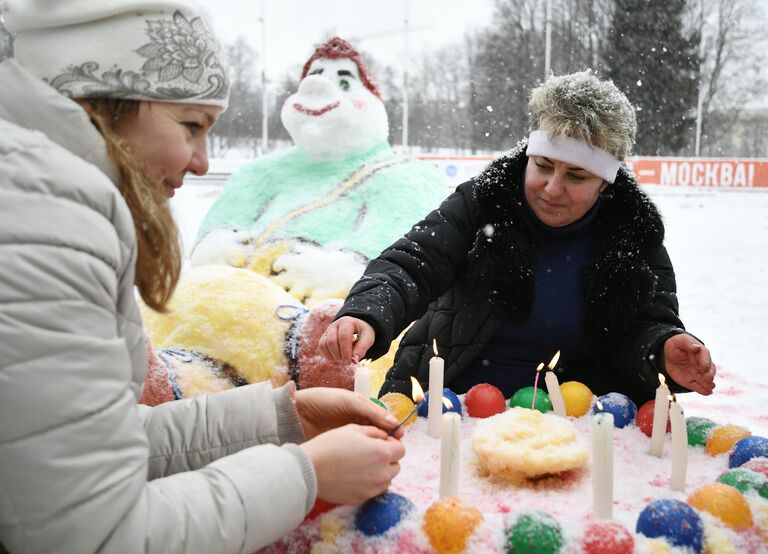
<point>83,467</point>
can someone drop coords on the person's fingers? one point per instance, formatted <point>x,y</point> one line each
<point>365,339</point>
<point>332,342</point>
<point>322,346</point>
<point>380,417</point>
<point>397,449</point>
<point>345,339</point>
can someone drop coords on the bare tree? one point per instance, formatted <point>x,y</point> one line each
<point>6,48</point>
<point>734,55</point>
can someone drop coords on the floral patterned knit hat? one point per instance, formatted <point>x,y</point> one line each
<point>161,51</point>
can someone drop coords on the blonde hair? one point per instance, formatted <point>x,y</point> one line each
<point>158,263</point>
<point>583,107</point>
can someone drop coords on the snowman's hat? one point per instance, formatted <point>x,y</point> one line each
<point>337,48</point>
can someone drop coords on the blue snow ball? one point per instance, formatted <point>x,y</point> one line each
<point>623,409</point>
<point>447,393</point>
<point>380,513</point>
<point>746,449</point>
<point>673,520</point>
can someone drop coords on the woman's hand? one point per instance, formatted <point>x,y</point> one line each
<point>347,338</point>
<point>689,363</point>
<point>354,463</point>
<point>322,409</point>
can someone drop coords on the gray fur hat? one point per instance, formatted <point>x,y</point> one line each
<point>582,107</point>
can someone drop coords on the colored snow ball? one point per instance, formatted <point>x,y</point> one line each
<point>659,546</point>
<point>745,481</point>
<point>331,528</point>
<point>577,398</point>
<point>698,430</point>
<point>725,503</point>
<point>759,465</point>
<point>484,400</point>
<point>674,521</point>
<point>759,515</point>
<point>622,408</point>
<point>523,398</point>
<point>746,449</point>
<point>449,395</point>
<point>400,406</point>
<point>717,540</point>
<point>380,513</point>
<point>321,506</point>
<point>379,402</point>
<point>607,537</point>
<point>721,439</point>
<point>533,532</point>
<point>449,523</point>
<point>644,419</point>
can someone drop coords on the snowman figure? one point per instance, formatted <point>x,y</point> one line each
<point>310,218</point>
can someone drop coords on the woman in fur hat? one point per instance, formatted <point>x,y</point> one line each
<point>553,247</point>
<point>105,108</point>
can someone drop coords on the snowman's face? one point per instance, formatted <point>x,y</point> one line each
<point>333,115</point>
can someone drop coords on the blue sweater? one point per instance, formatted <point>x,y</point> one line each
<point>509,360</point>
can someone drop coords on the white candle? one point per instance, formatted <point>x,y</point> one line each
<point>660,407</point>
<point>679,447</point>
<point>602,465</point>
<point>363,380</point>
<point>435,406</point>
<point>553,389</point>
<point>449,455</point>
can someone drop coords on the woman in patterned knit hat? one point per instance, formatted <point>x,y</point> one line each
<point>105,108</point>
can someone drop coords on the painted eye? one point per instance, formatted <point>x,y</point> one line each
<point>343,84</point>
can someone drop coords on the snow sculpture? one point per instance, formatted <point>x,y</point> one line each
<point>310,217</point>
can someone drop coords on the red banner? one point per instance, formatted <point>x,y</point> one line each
<point>701,172</point>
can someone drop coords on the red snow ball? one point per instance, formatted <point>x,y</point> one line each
<point>607,537</point>
<point>644,418</point>
<point>484,400</point>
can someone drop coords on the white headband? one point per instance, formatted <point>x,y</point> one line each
<point>161,50</point>
<point>593,159</point>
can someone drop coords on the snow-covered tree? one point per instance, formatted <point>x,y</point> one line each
<point>653,57</point>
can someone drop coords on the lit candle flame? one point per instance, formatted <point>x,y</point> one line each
<point>599,405</point>
<point>434,347</point>
<point>540,367</point>
<point>417,393</point>
<point>661,379</point>
<point>448,404</point>
<point>554,360</point>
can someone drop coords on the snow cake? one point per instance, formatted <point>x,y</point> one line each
<point>525,485</point>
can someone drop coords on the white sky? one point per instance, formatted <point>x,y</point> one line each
<point>295,27</point>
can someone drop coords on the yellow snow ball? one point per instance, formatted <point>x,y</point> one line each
<point>400,406</point>
<point>227,314</point>
<point>759,507</point>
<point>659,546</point>
<point>331,528</point>
<point>521,443</point>
<point>717,540</point>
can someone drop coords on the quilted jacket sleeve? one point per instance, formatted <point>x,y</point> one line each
<point>75,459</point>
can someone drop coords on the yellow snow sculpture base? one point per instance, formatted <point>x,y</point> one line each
<point>228,314</point>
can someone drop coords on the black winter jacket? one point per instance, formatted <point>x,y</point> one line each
<point>459,282</point>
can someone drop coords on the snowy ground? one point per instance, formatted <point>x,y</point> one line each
<point>718,240</point>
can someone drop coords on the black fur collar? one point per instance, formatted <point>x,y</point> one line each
<point>619,283</point>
